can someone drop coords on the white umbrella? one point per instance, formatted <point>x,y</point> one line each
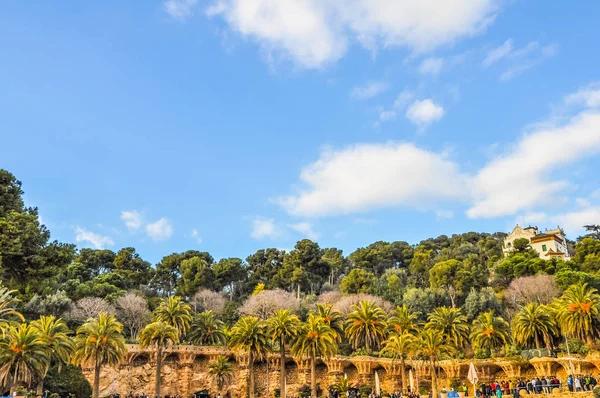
<point>377,389</point>
<point>411,380</point>
<point>472,376</point>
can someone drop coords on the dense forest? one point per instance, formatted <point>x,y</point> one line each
<point>441,284</point>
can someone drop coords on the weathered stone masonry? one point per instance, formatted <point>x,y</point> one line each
<point>185,371</point>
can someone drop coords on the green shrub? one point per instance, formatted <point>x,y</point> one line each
<point>69,380</point>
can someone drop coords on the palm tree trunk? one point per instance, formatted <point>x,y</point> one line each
<point>96,391</point>
<point>404,388</point>
<point>40,388</point>
<point>537,341</point>
<point>158,371</point>
<point>433,378</point>
<point>282,370</point>
<point>313,376</point>
<point>251,376</point>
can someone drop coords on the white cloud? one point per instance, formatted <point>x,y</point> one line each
<point>368,90</point>
<point>97,241</point>
<point>159,230</point>
<point>431,66</point>
<point>179,9</point>
<point>196,236</point>
<point>306,229</point>
<point>498,53</point>
<point>367,176</point>
<point>313,33</point>
<point>264,228</point>
<point>399,104</point>
<point>422,113</point>
<point>526,58</point>
<point>523,178</point>
<point>573,222</point>
<point>588,96</point>
<point>132,219</point>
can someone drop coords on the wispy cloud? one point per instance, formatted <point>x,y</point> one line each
<point>431,66</point>
<point>496,54</point>
<point>368,90</point>
<point>196,236</point>
<point>96,240</point>
<point>179,9</point>
<point>306,229</point>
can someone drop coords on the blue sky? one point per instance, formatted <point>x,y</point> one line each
<point>233,125</point>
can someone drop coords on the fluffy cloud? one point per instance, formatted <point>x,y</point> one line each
<point>314,33</point>
<point>588,96</point>
<point>526,178</point>
<point>96,240</point>
<point>520,179</point>
<point>132,219</point>
<point>159,230</point>
<point>368,90</point>
<point>179,9</point>
<point>365,176</point>
<point>422,113</point>
<point>306,229</point>
<point>431,66</point>
<point>496,54</point>
<point>264,228</point>
<point>573,222</point>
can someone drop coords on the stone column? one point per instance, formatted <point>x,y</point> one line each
<point>186,361</point>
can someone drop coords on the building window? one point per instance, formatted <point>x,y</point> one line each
<point>544,248</point>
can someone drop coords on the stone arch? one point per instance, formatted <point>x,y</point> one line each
<point>171,357</point>
<point>140,359</point>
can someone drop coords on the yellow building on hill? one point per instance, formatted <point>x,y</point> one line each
<point>549,244</point>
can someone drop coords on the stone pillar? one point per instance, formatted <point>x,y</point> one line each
<point>335,369</point>
<point>393,370</point>
<point>365,366</point>
<point>544,366</point>
<point>186,361</point>
<point>512,368</point>
<point>303,370</point>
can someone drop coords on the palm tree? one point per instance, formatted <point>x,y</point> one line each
<point>403,320</point>
<point>158,334</point>
<point>7,310</point>
<point>332,318</point>
<point>283,327</point>
<point>432,345</point>
<point>315,339</point>
<point>249,336</point>
<point>534,322</point>
<point>577,311</point>
<point>401,346</point>
<point>365,326</point>
<point>176,312</point>
<point>342,386</point>
<point>56,335</point>
<point>24,356</point>
<point>489,331</point>
<point>452,323</point>
<point>99,342</point>
<point>221,371</point>
<point>206,329</point>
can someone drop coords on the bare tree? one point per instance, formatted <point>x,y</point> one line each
<point>539,288</point>
<point>344,305</point>
<point>265,303</point>
<point>207,300</point>
<point>133,312</point>
<point>90,307</point>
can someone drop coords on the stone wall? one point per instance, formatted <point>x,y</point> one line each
<point>185,371</point>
